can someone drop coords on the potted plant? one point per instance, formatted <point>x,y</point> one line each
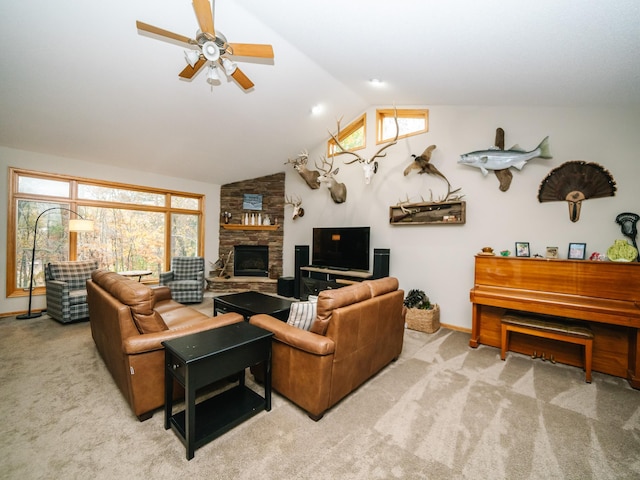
<point>422,315</point>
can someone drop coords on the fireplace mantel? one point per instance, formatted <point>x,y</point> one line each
<point>235,226</point>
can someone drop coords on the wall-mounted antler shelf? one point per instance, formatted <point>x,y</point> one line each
<point>428,213</point>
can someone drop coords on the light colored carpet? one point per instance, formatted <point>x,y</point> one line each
<point>443,410</point>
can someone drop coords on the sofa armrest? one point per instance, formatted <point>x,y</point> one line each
<point>295,337</point>
<point>57,288</point>
<point>153,341</point>
<point>58,303</point>
<point>161,293</point>
<point>164,277</point>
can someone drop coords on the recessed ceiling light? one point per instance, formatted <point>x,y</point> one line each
<point>316,109</point>
<point>376,82</point>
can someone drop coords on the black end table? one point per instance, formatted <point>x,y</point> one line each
<point>252,303</point>
<point>200,359</point>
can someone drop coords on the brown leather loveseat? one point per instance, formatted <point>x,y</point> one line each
<point>129,321</point>
<point>358,330</point>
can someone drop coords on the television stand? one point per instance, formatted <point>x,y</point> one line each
<point>315,279</point>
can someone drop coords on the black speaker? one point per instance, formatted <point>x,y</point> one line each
<point>381,262</point>
<point>301,260</point>
<point>286,286</point>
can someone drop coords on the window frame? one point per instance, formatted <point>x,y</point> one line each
<point>360,122</point>
<point>383,113</point>
<point>74,203</point>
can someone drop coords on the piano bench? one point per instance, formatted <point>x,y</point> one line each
<point>548,327</point>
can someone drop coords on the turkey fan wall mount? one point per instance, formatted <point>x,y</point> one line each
<point>211,46</point>
<point>574,182</point>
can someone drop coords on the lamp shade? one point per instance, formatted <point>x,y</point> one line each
<point>212,74</point>
<point>229,66</point>
<point>80,225</point>
<point>192,57</point>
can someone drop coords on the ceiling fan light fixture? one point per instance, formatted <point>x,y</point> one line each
<point>192,57</point>
<point>229,66</point>
<point>211,51</point>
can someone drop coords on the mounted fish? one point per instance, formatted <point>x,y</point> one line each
<point>496,159</point>
<point>574,182</point>
<point>504,176</point>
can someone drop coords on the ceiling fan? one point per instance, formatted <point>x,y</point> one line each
<point>212,47</point>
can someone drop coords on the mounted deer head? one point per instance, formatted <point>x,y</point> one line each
<point>370,166</point>
<point>300,165</point>
<point>298,211</point>
<point>337,190</point>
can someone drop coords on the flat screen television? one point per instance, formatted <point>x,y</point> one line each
<point>342,248</point>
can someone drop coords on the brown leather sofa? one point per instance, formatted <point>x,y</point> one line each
<point>358,330</point>
<point>129,321</point>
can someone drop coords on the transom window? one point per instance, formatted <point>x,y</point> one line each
<point>135,228</point>
<point>352,137</point>
<point>410,122</point>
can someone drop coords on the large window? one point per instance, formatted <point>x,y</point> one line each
<point>135,228</point>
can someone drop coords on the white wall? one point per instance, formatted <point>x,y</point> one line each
<point>47,163</point>
<point>436,258</point>
<point>439,258</point>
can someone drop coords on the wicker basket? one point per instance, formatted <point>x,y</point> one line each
<point>423,320</point>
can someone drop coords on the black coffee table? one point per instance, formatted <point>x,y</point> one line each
<point>200,359</point>
<point>252,303</point>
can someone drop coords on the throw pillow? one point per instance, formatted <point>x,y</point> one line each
<point>302,314</point>
<point>151,323</point>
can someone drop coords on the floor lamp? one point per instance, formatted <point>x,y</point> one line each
<point>75,225</point>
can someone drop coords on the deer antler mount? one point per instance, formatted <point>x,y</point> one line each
<point>337,190</point>
<point>370,166</point>
<point>300,165</point>
<point>296,203</point>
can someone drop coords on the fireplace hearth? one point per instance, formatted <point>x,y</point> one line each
<point>251,261</point>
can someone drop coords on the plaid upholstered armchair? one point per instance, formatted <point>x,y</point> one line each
<point>66,284</point>
<point>185,279</point>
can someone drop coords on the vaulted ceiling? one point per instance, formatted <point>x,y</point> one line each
<point>78,80</point>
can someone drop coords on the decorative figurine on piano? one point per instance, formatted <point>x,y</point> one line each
<point>627,222</point>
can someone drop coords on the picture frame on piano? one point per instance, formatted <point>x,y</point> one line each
<point>522,249</point>
<point>577,251</point>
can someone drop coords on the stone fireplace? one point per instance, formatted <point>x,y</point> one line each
<point>251,261</point>
<point>234,234</point>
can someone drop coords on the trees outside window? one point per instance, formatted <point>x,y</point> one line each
<point>135,228</point>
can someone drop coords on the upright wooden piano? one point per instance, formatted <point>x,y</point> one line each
<point>606,295</point>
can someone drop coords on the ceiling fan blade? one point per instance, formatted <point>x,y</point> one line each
<point>252,50</point>
<point>164,33</point>
<point>205,15</point>
<point>190,71</point>
<point>242,79</point>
